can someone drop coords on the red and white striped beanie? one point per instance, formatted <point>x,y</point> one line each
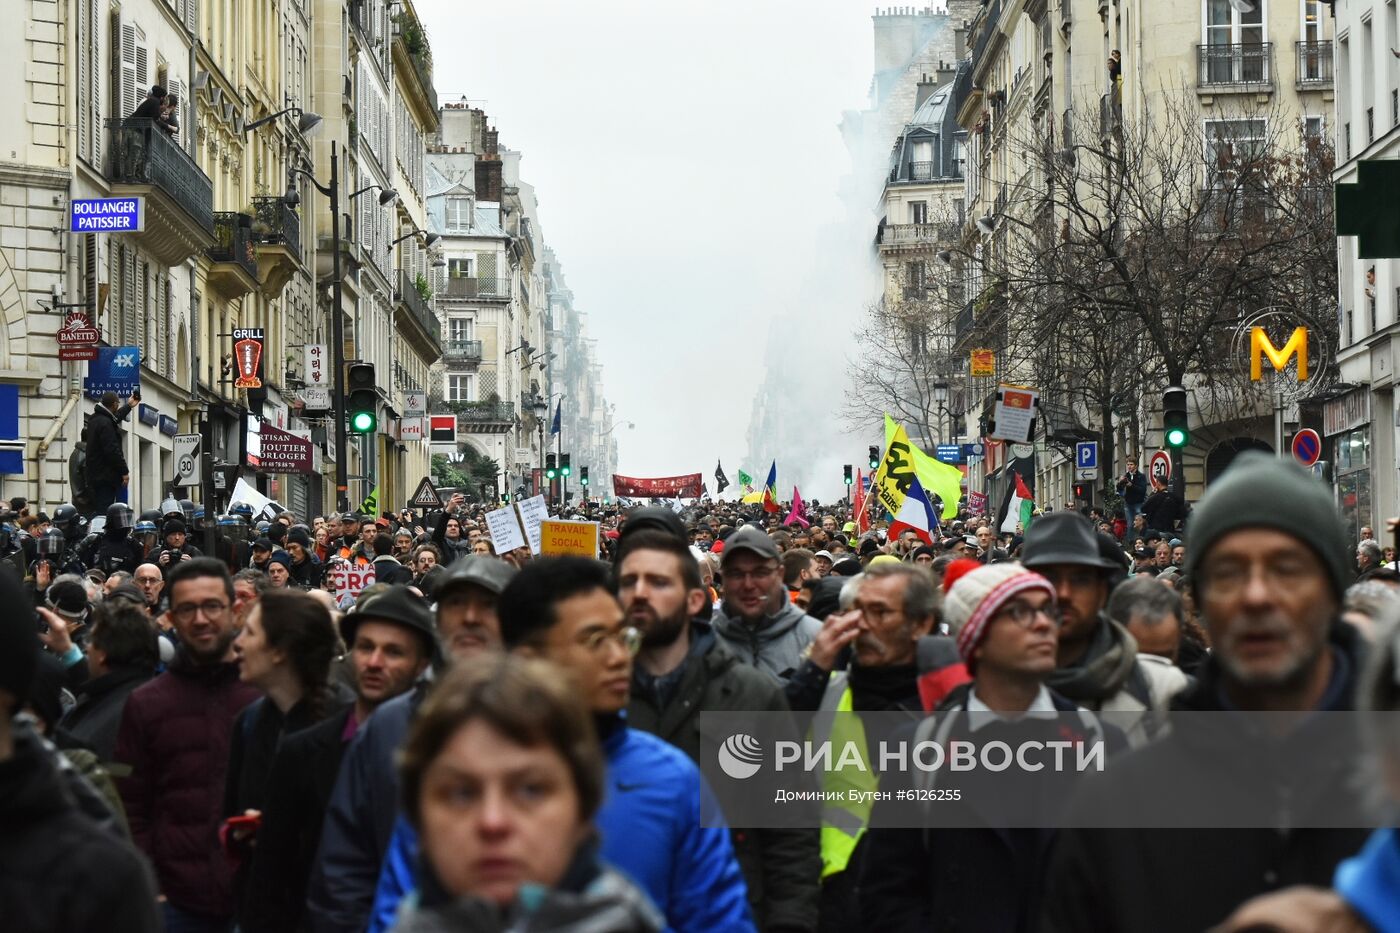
<point>973,593</point>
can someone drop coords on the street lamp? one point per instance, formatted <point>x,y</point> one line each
<point>307,122</point>
<point>332,191</point>
<point>428,238</point>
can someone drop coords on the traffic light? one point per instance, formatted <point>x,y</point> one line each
<point>874,457</point>
<point>505,498</point>
<point>1081,492</point>
<point>847,469</point>
<point>1174,430</point>
<point>583,475</point>
<point>564,465</point>
<point>550,471</point>
<point>361,399</point>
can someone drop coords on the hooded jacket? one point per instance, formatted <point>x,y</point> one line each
<point>1110,678</point>
<point>1134,879</point>
<point>781,867</point>
<point>776,645</point>
<point>94,720</point>
<point>651,830</point>
<point>175,736</point>
<point>60,870</point>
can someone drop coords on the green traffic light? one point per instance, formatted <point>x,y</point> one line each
<point>362,422</point>
<point>584,481</point>
<point>1176,437</point>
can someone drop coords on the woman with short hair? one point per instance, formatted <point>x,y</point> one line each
<point>502,775</point>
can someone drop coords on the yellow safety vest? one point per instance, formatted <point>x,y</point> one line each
<point>843,818</point>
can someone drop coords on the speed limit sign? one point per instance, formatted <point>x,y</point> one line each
<point>186,452</point>
<point>1160,467</point>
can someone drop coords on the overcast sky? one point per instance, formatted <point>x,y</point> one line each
<point>685,154</point>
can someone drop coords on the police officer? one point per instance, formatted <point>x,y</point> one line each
<point>115,549</point>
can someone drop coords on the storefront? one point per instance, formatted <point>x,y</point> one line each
<point>1346,424</point>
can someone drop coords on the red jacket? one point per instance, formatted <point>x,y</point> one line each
<point>175,736</point>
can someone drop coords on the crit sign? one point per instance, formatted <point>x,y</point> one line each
<point>1160,466</point>
<point>426,497</point>
<point>1307,447</point>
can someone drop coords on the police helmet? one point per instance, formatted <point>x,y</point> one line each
<point>51,543</point>
<point>187,507</point>
<point>64,515</point>
<point>119,516</point>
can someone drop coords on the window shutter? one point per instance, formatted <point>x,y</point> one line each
<point>192,16</point>
<point>90,275</point>
<point>85,75</point>
<point>143,76</point>
<point>182,111</point>
<point>126,86</point>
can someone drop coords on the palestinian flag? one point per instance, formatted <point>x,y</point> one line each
<point>1018,507</point>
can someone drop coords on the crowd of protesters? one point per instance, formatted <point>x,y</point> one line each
<point>477,741</point>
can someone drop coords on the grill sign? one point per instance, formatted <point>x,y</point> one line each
<point>247,357</point>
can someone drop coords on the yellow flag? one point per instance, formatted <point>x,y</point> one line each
<point>371,504</point>
<point>902,462</point>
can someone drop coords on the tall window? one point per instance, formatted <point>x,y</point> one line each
<point>459,215</point>
<point>918,212</point>
<point>1231,144</point>
<point>461,387</point>
<point>459,329</point>
<point>1234,40</point>
<point>459,268</point>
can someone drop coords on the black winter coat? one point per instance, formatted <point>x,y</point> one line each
<point>299,786</point>
<point>59,870</point>
<point>93,722</point>
<point>106,464</point>
<point>1163,510</point>
<point>781,867</point>
<point>1145,880</point>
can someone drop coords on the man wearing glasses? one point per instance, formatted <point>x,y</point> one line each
<point>1096,663</point>
<point>756,620</point>
<point>174,737</point>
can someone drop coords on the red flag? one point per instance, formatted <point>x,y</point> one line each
<point>859,503</point>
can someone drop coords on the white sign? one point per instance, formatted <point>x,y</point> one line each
<point>318,362</point>
<point>1090,473</point>
<point>349,580</point>
<point>411,429</point>
<point>1015,413</point>
<point>316,398</point>
<point>244,492</point>
<point>186,454</point>
<point>505,530</point>
<point>533,512</point>
<point>415,403</point>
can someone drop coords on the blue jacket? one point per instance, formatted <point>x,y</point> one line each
<point>359,820</point>
<point>650,828</point>
<point>1370,881</point>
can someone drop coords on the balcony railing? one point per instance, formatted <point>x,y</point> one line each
<point>1314,63</point>
<point>277,222</point>
<point>462,351</point>
<point>233,241</point>
<point>483,412</point>
<point>144,154</point>
<point>477,288</point>
<point>919,234</point>
<point>1247,65</point>
<point>417,306</point>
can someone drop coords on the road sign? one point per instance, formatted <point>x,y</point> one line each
<point>1090,473</point>
<point>186,453</point>
<point>1307,447</point>
<point>1160,466</point>
<point>426,496</point>
<point>948,453</point>
<point>1086,456</point>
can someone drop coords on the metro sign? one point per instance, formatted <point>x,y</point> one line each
<point>77,338</point>
<point>1261,346</point>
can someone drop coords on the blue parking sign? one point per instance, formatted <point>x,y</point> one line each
<point>1086,455</point>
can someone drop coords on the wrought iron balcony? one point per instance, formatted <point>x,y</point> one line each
<point>235,269</point>
<point>1314,64</point>
<point>913,171</point>
<point>409,296</point>
<point>462,351</point>
<point>484,412</point>
<point>276,223</point>
<point>1247,66</point>
<point>146,161</point>
<point>492,289</point>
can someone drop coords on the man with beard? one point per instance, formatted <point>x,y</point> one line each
<point>391,641</point>
<point>174,739</point>
<point>1267,556</point>
<point>682,671</point>
<point>1096,663</point>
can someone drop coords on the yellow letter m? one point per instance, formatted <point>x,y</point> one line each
<point>1260,346</point>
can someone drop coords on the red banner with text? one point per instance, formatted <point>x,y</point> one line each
<point>667,487</point>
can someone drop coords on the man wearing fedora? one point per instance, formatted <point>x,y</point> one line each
<point>1096,662</point>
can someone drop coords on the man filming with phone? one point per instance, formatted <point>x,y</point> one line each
<point>1132,486</point>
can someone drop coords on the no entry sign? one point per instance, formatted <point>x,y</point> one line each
<point>1307,447</point>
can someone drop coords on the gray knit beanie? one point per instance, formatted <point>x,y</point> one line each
<point>1259,490</point>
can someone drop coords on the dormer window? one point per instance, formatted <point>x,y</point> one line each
<point>459,215</point>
